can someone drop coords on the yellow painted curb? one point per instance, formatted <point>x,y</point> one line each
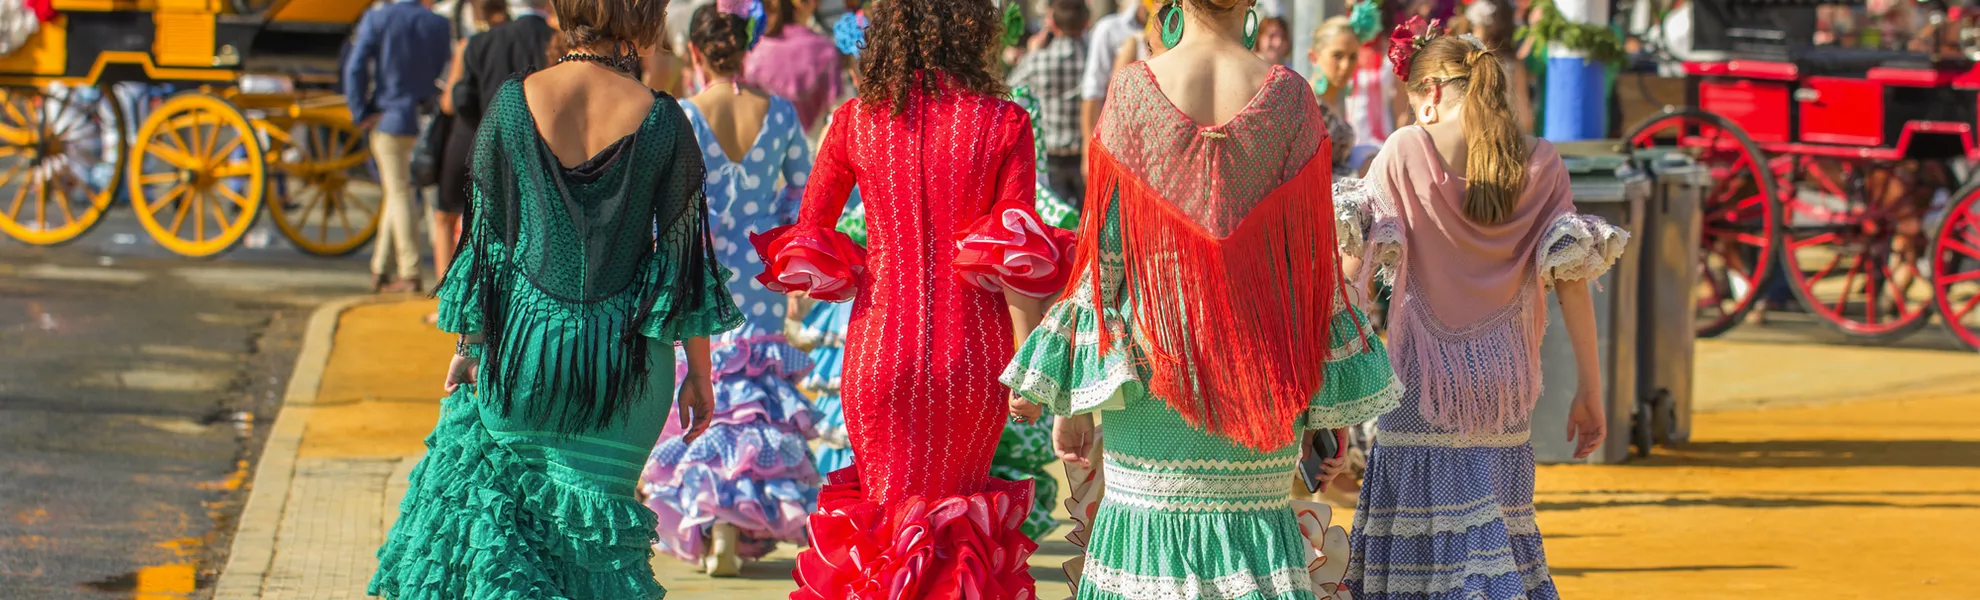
<point>254,541</point>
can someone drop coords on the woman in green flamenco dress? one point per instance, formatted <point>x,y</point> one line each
<point>569,310</point>
<point>1208,323</point>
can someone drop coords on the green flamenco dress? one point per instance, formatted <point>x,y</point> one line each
<point>1185,513</point>
<point>527,488</point>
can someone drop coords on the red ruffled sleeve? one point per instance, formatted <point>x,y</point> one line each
<point>807,258</point>
<point>1012,248</point>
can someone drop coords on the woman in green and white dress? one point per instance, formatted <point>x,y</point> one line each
<point>1208,324</point>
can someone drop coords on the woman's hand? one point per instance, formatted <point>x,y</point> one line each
<point>462,370</point>
<point>697,397</point>
<point>1072,438</point>
<point>1332,466</point>
<point>697,404</point>
<point>1022,410</point>
<point>1588,423</point>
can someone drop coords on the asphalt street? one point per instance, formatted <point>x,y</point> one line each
<point>135,388</point>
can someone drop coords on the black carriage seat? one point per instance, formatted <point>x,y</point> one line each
<point>1834,61</point>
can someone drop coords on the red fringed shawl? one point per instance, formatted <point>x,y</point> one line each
<point>1235,329</point>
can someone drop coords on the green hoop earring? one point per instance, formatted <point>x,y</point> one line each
<point>1321,84</point>
<point>1172,26</point>
<point>1251,29</point>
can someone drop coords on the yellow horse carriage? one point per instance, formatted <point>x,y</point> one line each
<point>257,122</point>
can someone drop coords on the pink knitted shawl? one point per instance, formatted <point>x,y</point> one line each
<point>1469,313</point>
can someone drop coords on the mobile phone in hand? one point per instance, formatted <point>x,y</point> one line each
<point>1325,447</point>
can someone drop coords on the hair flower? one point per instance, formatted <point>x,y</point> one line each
<point>849,34</point>
<point>757,23</point>
<point>1409,37</point>
<point>750,10</point>
<point>1366,20</point>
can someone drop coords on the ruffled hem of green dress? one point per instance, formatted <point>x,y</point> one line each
<point>479,522</point>
<point>1244,555</point>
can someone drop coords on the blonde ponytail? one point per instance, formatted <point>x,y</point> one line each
<point>1495,149</point>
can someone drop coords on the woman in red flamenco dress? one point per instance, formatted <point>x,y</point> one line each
<point>957,267</point>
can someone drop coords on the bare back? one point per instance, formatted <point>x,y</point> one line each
<point>736,117</point>
<point>581,109</point>
<point>1212,83</point>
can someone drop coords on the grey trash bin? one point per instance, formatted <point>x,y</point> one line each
<point>1667,298</point>
<point>1604,186</point>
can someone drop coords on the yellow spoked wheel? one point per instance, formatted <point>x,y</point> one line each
<point>197,175</point>
<point>61,155</point>
<point>323,188</point>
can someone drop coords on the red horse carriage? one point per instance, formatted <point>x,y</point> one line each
<point>1836,171</point>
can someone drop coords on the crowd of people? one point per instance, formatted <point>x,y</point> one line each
<point>762,279</point>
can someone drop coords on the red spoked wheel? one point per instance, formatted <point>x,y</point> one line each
<point>1955,256</point>
<point>1853,242</point>
<point>1739,213</point>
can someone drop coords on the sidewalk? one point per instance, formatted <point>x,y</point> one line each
<point>1815,471</point>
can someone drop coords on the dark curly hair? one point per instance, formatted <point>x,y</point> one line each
<point>908,37</point>
<point>722,38</point>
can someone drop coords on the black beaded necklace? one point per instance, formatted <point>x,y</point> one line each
<point>624,63</point>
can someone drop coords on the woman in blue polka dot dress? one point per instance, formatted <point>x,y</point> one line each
<point>749,482</point>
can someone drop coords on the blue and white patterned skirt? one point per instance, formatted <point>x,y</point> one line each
<point>1444,516</point>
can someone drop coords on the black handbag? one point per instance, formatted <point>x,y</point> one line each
<point>430,151</point>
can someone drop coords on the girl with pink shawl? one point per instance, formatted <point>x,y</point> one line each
<point>1471,223</point>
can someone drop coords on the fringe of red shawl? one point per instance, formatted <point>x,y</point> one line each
<point>1235,329</point>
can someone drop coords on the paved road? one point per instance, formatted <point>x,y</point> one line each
<point>134,388</point>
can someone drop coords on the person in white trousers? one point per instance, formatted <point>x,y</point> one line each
<point>396,241</point>
<point>393,69</point>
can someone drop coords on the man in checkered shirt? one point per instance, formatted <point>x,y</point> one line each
<point>1052,69</point>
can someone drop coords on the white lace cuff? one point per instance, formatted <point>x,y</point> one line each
<point>1365,225</point>
<point>1580,248</point>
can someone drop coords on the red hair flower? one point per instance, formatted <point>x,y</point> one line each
<point>1409,37</point>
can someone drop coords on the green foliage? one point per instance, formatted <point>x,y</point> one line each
<point>1597,43</point>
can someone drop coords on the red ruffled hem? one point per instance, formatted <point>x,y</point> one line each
<point>951,548</point>
<point>1012,248</point>
<point>821,262</point>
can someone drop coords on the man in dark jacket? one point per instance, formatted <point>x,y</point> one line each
<point>511,46</point>
<point>492,57</point>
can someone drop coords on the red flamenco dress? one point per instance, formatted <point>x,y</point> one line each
<point>948,189</point>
